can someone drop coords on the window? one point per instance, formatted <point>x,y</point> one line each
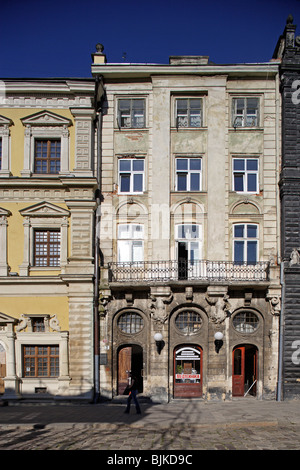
<point>47,156</point>
<point>245,175</point>
<point>130,243</point>
<point>131,175</point>
<point>46,248</point>
<point>131,113</point>
<point>41,361</point>
<point>188,112</point>
<point>245,112</point>
<point>188,322</point>
<point>0,153</point>
<point>130,322</point>
<point>245,322</point>
<point>245,243</point>
<point>38,324</point>
<point>188,174</point>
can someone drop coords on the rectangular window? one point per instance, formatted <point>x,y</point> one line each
<point>46,248</point>
<point>188,174</point>
<point>130,243</point>
<point>188,112</point>
<point>131,113</point>
<point>245,243</point>
<point>41,361</point>
<point>131,175</point>
<point>47,156</point>
<point>245,112</point>
<point>0,153</point>
<point>245,175</point>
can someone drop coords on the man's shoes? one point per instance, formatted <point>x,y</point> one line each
<point>126,412</point>
<point>138,412</point>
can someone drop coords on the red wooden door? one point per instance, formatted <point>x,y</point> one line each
<point>238,373</point>
<point>124,367</point>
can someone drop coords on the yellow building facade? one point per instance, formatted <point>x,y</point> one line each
<point>48,182</point>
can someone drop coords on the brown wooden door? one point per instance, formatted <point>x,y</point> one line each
<point>2,375</point>
<point>124,368</point>
<point>238,373</point>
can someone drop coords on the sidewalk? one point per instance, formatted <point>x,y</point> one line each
<point>181,412</point>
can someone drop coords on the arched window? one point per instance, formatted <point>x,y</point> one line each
<point>245,322</point>
<point>130,322</point>
<point>188,321</point>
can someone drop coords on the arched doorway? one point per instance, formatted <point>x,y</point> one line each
<point>187,371</point>
<point>130,359</point>
<point>2,368</point>
<point>244,370</point>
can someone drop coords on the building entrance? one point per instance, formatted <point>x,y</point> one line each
<point>244,370</point>
<point>187,372</point>
<point>130,359</point>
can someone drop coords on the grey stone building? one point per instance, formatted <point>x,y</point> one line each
<point>288,51</point>
<point>189,228</point>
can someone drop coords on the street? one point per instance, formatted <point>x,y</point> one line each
<point>184,426</point>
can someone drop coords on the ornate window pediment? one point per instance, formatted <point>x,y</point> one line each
<point>46,127</point>
<point>46,118</point>
<point>44,209</point>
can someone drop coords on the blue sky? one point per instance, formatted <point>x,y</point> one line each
<point>56,38</point>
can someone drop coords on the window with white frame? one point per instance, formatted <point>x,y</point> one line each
<point>131,113</point>
<point>131,175</point>
<point>245,243</point>
<point>188,112</point>
<point>130,243</point>
<point>188,174</point>
<point>245,112</point>
<point>245,175</point>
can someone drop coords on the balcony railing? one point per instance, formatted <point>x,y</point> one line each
<point>166,271</point>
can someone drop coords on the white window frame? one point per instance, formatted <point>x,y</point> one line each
<point>240,120</point>
<point>188,113</point>
<point>130,114</point>
<point>245,239</point>
<point>188,173</point>
<point>245,173</point>
<point>130,239</point>
<point>132,173</point>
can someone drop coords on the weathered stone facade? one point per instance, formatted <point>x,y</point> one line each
<point>288,51</point>
<point>169,236</point>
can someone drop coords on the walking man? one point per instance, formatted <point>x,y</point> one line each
<point>133,390</point>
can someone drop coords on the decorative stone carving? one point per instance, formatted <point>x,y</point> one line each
<point>275,305</point>
<point>23,323</point>
<point>294,258</point>
<point>158,300</point>
<point>219,307</point>
<point>54,324</point>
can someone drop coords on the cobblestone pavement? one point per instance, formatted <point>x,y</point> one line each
<point>171,427</point>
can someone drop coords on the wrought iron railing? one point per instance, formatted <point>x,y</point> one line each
<point>165,271</point>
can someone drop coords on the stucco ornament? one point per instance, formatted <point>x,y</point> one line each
<point>23,322</point>
<point>294,258</point>
<point>275,305</point>
<point>54,323</point>
<point>158,309</point>
<point>218,308</point>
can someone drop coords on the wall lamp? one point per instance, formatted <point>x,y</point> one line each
<point>158,338</point>
<point>218,341</point>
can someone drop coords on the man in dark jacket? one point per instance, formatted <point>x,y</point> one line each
<point>133,390</point>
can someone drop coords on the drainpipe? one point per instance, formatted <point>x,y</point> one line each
<point>98,122</point>
<point>281,320</point>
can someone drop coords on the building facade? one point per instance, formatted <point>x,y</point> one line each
<point>48,182</point>
<point>189,231</point>
<point>288,51</point>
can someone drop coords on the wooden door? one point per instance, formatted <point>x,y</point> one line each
<point>124,368</point>
<point>238,373</point>
<point>2,375</point>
